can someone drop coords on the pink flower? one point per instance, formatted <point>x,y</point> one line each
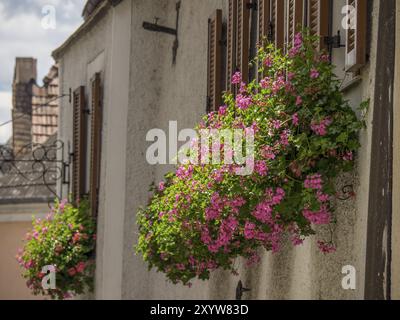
<point>222,110</point>
<point>313,182</point>
<point>299,101</point>
<point>268,62</point>
<point>68,295</point>
<point>348,156</point>
<point>298,40</point>
<point>326,248</point>
<point>76,237</point>
<point>276,124</point>
<point>284,138</point>
<point>314,74</point>
<point>321,128</point>
<point>80,267</point>
<point>261,168</point>
<point>268,153</point>
<point>180,267</point>
<point>290,76</point>
<point>295,119</point>
<point>253,260</point>
<point>325,58</point>
<point>320,217</point>
<point>243,102</point>
<point>249,230</point>
<point>237,78</point>
<point>264,83</point>
<point>71,272</point>
<point>161,186</point>
<point>322,197</point>
<point>184,173</point>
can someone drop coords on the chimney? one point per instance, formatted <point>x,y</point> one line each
<point>24,78</point>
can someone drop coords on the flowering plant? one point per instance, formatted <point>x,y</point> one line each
<point>64,242</point>
<point>204,216</point>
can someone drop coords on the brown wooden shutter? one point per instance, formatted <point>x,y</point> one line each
<point>79,144</point>
<point>318,20</point>
<point>243,38</point>
<point>264,18</point>
<point>96,127</point>
<point>356,38</point>
<point>295,19</point>
<point>231,44</point>
<point>214,82</point>
<point>278,22</point>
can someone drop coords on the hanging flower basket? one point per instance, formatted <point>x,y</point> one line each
<point>204,216</point>
<point>64,244</point>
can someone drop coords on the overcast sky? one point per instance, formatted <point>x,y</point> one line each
<point>22,35</point>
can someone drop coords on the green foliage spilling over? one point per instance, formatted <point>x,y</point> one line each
<point>64,243</point>
<point>204,216</point>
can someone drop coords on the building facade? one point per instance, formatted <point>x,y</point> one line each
<point>35,108</point>
<point>127,79</point>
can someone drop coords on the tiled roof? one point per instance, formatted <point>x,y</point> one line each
<point>90,6</point>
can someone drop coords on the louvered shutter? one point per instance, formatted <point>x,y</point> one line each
<point>79,144</point>
<point>231,44</point>
<point>243,38</point>
<point>96,127</point>
<point>356,38</point>
<point>264,18</point>
<point>278,23</point>
<point>318,21</point>
<point>214,82</point>
<point>295,19</point>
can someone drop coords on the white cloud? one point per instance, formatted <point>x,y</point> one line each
<point>22,34</point>
<point>5,115</point>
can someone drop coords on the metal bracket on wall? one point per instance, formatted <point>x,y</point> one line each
<point>155,27</point>
<point>334,42</point>
<point>240,290</point>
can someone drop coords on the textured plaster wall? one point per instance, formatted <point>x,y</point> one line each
<point>161,92</point>
<point>90,53</point>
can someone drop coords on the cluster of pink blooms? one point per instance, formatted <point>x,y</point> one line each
<point>326,247</point>
<point>225,235</point>
<point>263,211</point>
<point>299,101</point>
<point>267,152</point>
<point>184,173</point>
<point>237,78</point>
<point>321,128</point>
<point>295,236</point>
<point>295,119</point>
<point>320,217</point>
<point>218,204</point>
<point>297,44</point>
<point>348,156</point>
<point>313,182</point>
<point>261,168</point>
<point>265,83</point>
<point>243,102</point>
<point>79,268</point>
